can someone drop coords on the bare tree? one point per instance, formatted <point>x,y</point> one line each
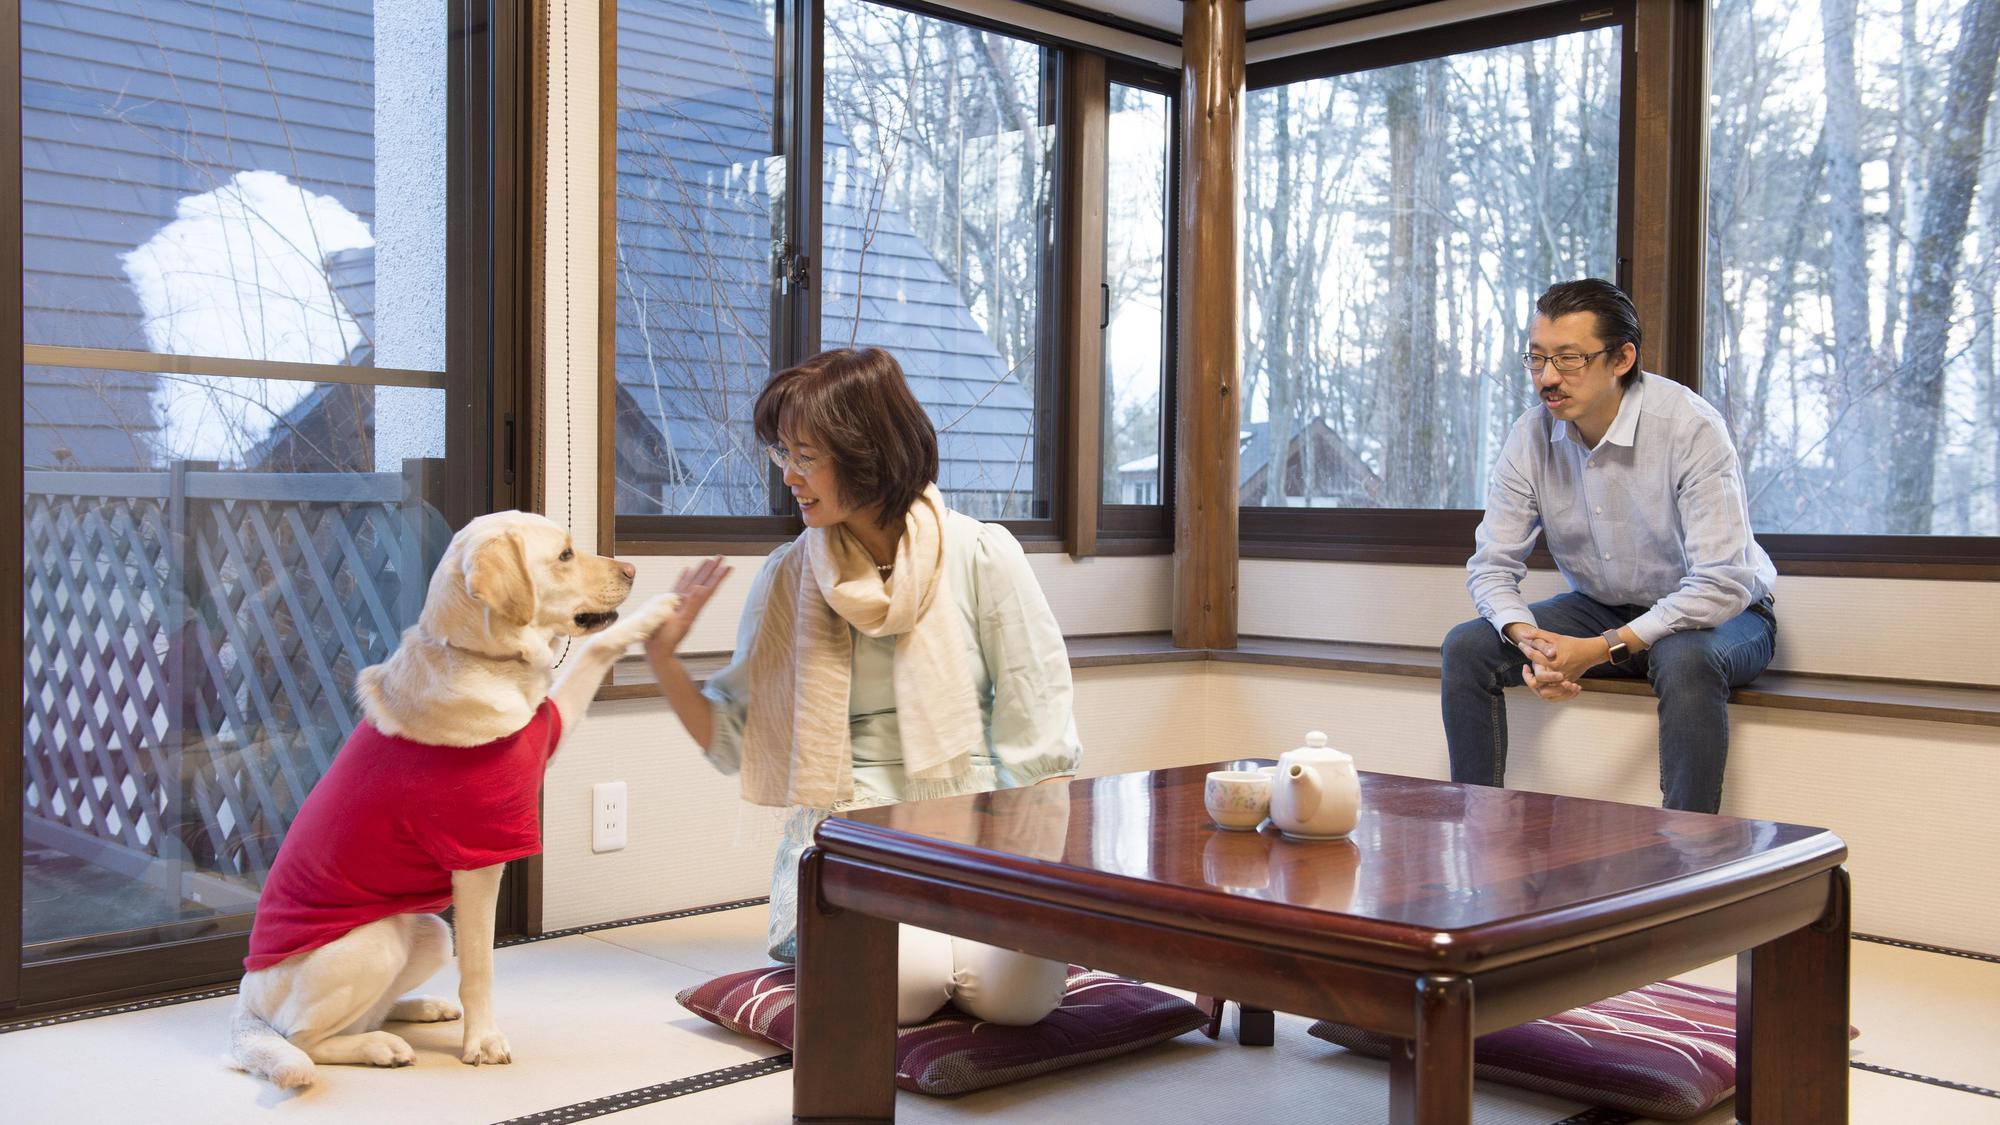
<point>1954,176</point>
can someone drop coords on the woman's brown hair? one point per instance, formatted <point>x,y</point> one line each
<point>855,405</point>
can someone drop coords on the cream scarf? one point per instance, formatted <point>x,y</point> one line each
<point>795,739</point>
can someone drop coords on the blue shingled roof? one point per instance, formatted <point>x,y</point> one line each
<point>695,234</point>
<point>125,115</point>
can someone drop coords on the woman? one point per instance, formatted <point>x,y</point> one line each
<point>896,650</point>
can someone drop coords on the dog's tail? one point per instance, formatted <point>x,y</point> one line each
<point>256,1046</point>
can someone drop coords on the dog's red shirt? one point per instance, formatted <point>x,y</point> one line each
<point>384,829</point>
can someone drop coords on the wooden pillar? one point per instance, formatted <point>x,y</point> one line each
<point>1211,304</point>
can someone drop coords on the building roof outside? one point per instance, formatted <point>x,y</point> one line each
<point>126,116</point>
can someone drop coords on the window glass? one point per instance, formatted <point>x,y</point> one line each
<point>1400,223</point>
<point>935,229</point>
<point>1136,347</point>
<point>700,201</point>
<point>1854,263</point>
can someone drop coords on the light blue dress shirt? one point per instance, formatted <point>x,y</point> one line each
<point>1654,515</point>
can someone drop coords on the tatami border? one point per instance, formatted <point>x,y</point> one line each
<point>1920,947</point>
<point>647,1095</point>
<point>594,927</point>
<point>1913,1076</point>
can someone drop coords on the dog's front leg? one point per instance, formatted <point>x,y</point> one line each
<point>579,683</point>
<point>475,895</point>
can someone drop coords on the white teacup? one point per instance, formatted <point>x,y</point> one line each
<point>1238,800</point>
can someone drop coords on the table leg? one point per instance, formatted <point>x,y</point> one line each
<point>844,1023</point>
<point>1430,1077</point>
<point>1255,1027</point>
<point>1791,1021</point>
<point>1213,1005</point>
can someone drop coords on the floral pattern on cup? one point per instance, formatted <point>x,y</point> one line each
<point>1237,799</point>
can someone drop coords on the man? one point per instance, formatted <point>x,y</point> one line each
<point>1637,485</point>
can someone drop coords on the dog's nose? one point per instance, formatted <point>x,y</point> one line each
<point>628,569</point>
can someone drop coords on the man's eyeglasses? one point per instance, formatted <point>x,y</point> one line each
<point>1564,361</point>
<point>786,459</point>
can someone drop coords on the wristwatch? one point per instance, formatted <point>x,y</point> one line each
<point>1619,650</point>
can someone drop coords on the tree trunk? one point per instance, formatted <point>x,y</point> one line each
<point>1954,175</point>
<point>1783,289</point>
<point>1429,469</point>
<point>1279,368</point>
<point>1909,95</point>
<point>1986,355</point>
<point>1410,409</point>
<point>1847,267</point>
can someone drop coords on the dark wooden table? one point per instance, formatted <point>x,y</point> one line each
<point>1452,911</point>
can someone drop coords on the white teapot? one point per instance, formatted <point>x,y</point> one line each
<point>1316,794</point>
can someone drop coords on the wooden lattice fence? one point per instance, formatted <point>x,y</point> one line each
<point>190,640</point>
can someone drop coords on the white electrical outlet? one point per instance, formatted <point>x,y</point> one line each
<point>607,816</point>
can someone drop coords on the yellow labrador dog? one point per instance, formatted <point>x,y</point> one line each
<point>429,798</point>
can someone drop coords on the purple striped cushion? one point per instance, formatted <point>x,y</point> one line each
<point>1102,1016</point>
<point>1667,1050</point>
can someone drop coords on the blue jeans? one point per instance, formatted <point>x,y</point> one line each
<point>1692,673</point>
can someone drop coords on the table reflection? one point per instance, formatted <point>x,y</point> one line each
<point>1322,874</point>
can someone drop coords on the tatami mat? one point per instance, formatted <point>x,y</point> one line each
<point>1928,1013</point>
<point>713,944</point>
<point>585,1018</point>
<point>592,1016</point>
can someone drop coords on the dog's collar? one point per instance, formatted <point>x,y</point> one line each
<point>500,657</point>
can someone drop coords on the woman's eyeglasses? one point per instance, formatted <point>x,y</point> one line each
<point>786,459</point>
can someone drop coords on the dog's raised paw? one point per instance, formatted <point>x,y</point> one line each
<point>490,1049</point>
<point>641,624</point>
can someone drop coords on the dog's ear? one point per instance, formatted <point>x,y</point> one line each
<point>496,575</point>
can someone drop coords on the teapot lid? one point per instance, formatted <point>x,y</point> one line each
<point>1315,738</point>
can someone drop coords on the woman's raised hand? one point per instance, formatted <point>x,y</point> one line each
<point>694,586</point>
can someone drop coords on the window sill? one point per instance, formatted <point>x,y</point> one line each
<point>1796,691</point>
<point>1966,704</point>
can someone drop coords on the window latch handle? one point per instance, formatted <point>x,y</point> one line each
<point>794,268</point>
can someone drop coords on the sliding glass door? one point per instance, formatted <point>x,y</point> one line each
<point>258,391</point>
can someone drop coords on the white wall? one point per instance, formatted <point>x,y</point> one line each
<point>1902,628</point>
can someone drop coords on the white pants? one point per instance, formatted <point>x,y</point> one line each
<point>986,982</point>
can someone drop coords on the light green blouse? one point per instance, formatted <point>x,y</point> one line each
<point>1020,673</point>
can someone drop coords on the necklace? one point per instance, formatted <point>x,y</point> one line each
<point>883,569</point>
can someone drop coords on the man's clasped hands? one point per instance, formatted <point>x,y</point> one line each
<point>1556,663</point>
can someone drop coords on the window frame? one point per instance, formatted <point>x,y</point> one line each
<point>796,320</point>
<point>1431,535</point>
<point>495,96</point>
<point>1148,529</point>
